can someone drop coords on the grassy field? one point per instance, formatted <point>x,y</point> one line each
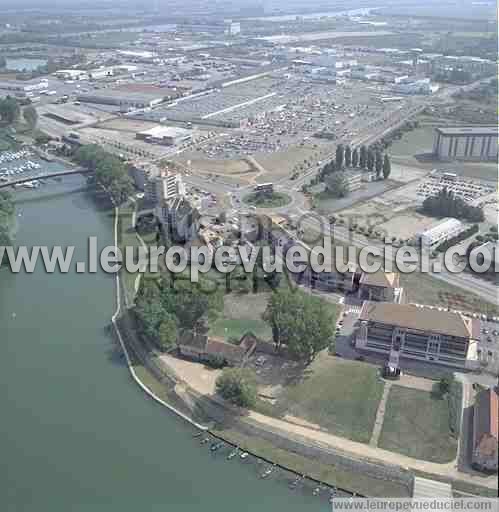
<point>340,396</point>
<point>425,289</point>
<point>418,425</point>
<point>242,313</point>
<point>274,200</point>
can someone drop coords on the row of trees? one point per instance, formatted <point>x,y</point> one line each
<point>363,158</point>
<point>110,172</point>
<point>163,308</point>
<point>301,322</point>
<point>445,204</point>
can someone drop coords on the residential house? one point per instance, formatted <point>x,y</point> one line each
<point>485,431</point>
<point>201,348</point>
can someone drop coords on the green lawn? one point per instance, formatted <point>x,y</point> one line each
<point>242,313</point>
<point>273,200</point>
<point>418,425</point>
<point>340,396</point>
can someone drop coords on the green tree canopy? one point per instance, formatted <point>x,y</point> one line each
<point>387,167</point>
<point>30,115</point>
<point>238,386</point>
<point>370,160</point>
<point>340,156</point>
<point>378,164</point>
<point>9,110</point>
<point>303,323</point>
<point>336,184</point>
<point>363,157</point>
<point>167,334</point>
<point>348,156</point>
<point>355,157</point>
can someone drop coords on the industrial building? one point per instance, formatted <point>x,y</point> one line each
<point>466,143</point>
<point>222,28</point>
<point>444,230</point>
<point>168,135</point>
<point>21,89</point>
<point>125,100</point>
<point>412,332</point>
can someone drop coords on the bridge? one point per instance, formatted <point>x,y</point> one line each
<point>25,179</point>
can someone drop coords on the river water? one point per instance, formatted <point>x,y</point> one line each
<point>76,433</point>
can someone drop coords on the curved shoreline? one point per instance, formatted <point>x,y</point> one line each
<point>125,351</point>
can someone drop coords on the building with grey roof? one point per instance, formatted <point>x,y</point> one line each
<point>466,143</point>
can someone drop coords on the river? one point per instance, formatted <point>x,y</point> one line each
<point>76,432</point>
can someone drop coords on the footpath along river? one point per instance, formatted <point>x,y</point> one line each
<point>76,433</point>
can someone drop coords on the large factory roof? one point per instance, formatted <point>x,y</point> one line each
<point>467,130</point>
<point>166,131</point>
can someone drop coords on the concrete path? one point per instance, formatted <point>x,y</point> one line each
<point>380,415</point>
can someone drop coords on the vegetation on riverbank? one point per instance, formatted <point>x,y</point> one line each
<point>6,216</point>
<point>110,172</point>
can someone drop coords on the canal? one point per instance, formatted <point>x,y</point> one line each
<point>76,433</point>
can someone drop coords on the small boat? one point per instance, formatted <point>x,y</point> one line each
<point>216,446</point>
<point>232,454</point>
<point>205,440</point>
<point>316,491</point>
<point>197,434</point>
<point>244,455</point>
<point>268,472</point>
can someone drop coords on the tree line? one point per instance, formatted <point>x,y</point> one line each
<point>110,172</point>
<point>6,215</point>
<point>446,204</point>
<point>163,308</point>
<point>368,158</point>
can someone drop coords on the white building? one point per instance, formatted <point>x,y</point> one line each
<point>164,187</point>
<point>169,135</point>
<point>440,232</point>
<point>21,89</point>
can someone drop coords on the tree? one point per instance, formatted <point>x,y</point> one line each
<point>30,116</point>
<point>370,160</point>
<point>238,386</point>
<point>348,156</point>
<point>110,172</point>
<point>340,153</point>
<point>9,110</point>
<point>303,323</point>
<point>355,157</point>
<point>363,157</point>
<point>387,167</point>
<point>168,332</point>
<point>336,184</point>
<point>378,164</point>
<point>150,315</point>
<point>189,303</point>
